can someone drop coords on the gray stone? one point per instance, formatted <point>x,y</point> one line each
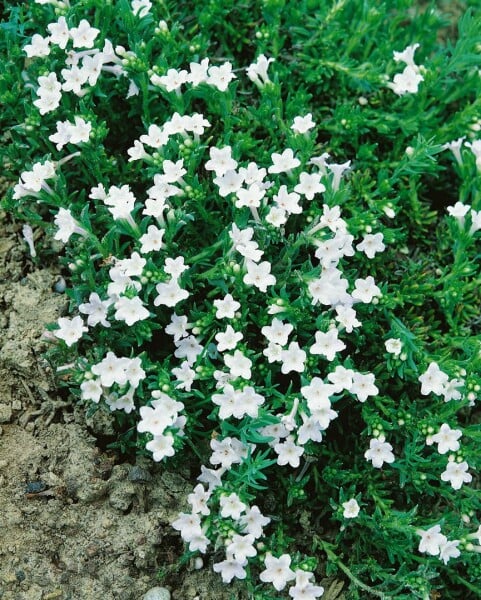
<point>139,475</point>
<point>5,413</point>
<point>157,593</point>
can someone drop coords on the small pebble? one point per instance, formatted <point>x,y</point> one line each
<point>157,593</point>
<point>35,487</point>
<point>60,285</point>
<point>139,475</point>
<point>20,575</point>
<point>5,413</point>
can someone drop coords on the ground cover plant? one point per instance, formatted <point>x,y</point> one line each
<point>269,213</point>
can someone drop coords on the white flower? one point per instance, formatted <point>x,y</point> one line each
<point>141,8</point>
<point>447,439</point>
<point>116,401</point>
<point>276,217</point>
<point>346,316</point>
<point>84,35</point>
<point>303,124</point>
<point>289,202</point>
<point>451,391</point>
<point>254,521</point>
<point>363,386</point>
<point>185,376</point>
<point>230,568</point>
<point>220,161</point>
<point>304,589</point>
<point>277,571</point>
<point>379,452</point>
<point>130,310</point>
<point>406,82</point>
<point>133,371</point>
<point>229,183</point>
<point>257,72</point>
<point>178,327</point>
<point>170,293</point>
<point>330,289</point>
<point>448,550</point>
<point>189,348</point>
<point>171,81</point>
<point>152,241</point>
<point>198,500</point>
<point>155,420</point>
<point>189,526</point>
<point>228,339</point>
<point>371,244</point>
<point>120,202</point>
<point>456,473</point>
<point>231,506</point>
<point>74,78</point>
<point>293,359</point>
<point>407,55</point>
<point>67,225</point>
<point>137,151</point>
<point>278,332</point>
<point>199,543</point>
<point>226,308</point>
<point>283,163</point>
<point>273,352</point>
<point>459,211</point>
<point>433,380</point>
<point>173,171</point>
<point>238,364</point>
<point>241,546</point>
<point>220,77</point>
<point>431,539</point>
<point>70,330</point>
<point>455,147</point>
<point>249,403</point>
<point>228,451</point>
<point>309,185</point>
<point>288,452</point>
<point>49,93</point>
<point>155,137</point>
<point>365,290</point>
<point>311,429</point>
<point>317,392</point>
<point>250,197</point>
<point>331,218</point>
<point>327,344</point>
<point>59,32</point>
<point>96,309</point>
<point>91,390</point>
<point>175,267</point>
<point>38,47</point>
<point>475,221</point>
<point>198,72</point>
<point>111,369</point>
<point>393,346</point>
<point>320,162</point>
<point>337,171</point>
<point>259,275</point>
<point>351,509</point>
<point>341,379</point>
<point>252,173</point>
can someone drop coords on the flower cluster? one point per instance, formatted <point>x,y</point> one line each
<point>236,290</point>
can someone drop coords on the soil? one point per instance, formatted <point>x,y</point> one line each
<point>77,522</point>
